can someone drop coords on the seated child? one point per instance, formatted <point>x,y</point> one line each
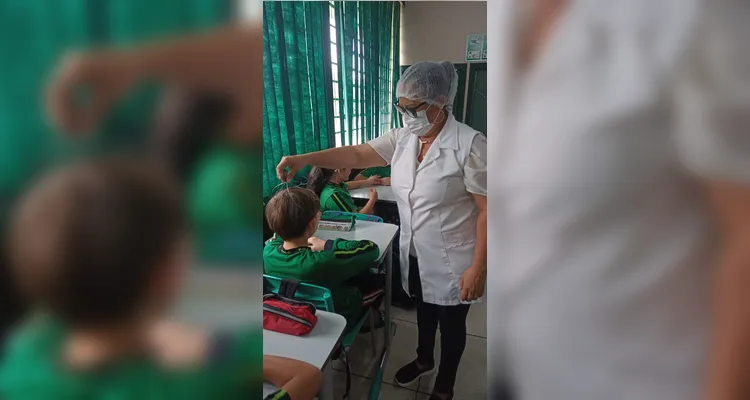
<point>99,251</point>
<point>381,175</point>
<point>342,266</point>
<point>295,379</point>
<point>331,187</point>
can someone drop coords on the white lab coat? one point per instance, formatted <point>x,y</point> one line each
<point>435,203</point>
<point>605,240</point>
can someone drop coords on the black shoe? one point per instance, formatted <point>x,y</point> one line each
<point>379,322</point>
<point>441,396</point>
<point>410,372</point>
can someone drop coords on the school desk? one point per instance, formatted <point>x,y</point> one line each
<point>385,193</point>
<point>383,235</point>
<point>221,298</point>
<point>314,349</point>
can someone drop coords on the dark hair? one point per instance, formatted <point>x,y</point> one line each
<point>318,179</point>
<point>290,211</point>
<point>86,240</point>
<point>185,131</point>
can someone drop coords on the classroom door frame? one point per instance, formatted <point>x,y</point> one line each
<point>473,68</point>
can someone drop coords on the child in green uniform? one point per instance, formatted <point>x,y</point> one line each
<point>343,266</point>
<point>99,251</point>
<point>331,187</point>
<point>380,174</point>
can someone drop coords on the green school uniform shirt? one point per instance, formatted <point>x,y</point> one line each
<point>383,172</point>
<point>331,268</point>
<point>31,370</point>
<point>226,206</point>
<point>337,198</point>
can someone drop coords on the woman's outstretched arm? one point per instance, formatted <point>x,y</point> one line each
<point>360,156</point>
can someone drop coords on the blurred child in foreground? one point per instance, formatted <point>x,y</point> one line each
<point>99,251</point>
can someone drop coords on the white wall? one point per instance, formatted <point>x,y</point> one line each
<point>251,10</point>
<point>436,30</point>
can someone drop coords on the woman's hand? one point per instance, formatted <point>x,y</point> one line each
<point>385,181</point>
<point>373,194</point>
<point>374,180</point>
<point>106,76</point>
<point>316,244</point>
<point>288,167</point>
<point>475,278</point>
<point>472,283</point>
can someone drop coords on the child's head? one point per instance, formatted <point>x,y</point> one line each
<point>293,213</point>
<point>186,124</point>
<point>100,243</point>
<point>319,177</point>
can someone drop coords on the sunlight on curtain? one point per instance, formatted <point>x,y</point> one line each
<point>364,62</point>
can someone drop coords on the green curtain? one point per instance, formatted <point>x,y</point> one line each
<point>368,54</point>
<point>297,88</point>
<point>395,40</point>
<point>34,34</point>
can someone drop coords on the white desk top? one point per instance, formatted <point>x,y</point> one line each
<point>385,193</point>
<point>380,233</point>
<point>220,299</point>
<point>314,348</point>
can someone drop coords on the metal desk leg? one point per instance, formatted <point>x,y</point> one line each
<point>388,295</point>
<point>326,390</point>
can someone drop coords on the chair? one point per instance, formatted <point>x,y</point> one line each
<point>319,296</point>
<point>357,216</point>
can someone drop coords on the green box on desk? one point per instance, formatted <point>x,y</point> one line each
<point>337,223</point>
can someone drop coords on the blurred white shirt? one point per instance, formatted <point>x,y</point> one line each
<point>602,245</point>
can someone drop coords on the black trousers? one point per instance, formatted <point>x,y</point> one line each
<point>452,323</point>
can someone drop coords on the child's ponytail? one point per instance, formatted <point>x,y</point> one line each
<point>318,179</point>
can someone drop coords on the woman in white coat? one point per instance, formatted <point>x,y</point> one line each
<point>439,178</point>
<point>623,200</point>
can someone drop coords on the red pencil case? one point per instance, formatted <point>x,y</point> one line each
<point>289,316</point>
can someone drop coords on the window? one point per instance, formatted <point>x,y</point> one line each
<point>371,115</point>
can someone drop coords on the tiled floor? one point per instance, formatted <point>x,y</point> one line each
<point>471,381</point>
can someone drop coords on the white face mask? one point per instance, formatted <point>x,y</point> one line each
<point>418,125</point>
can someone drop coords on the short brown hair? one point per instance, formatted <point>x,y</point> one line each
<point>87,239</point>
<point>290,211</point>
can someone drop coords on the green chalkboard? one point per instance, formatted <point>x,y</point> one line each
<point>476,106</point>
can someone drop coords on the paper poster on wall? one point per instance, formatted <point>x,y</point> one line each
<point>476,47</point>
